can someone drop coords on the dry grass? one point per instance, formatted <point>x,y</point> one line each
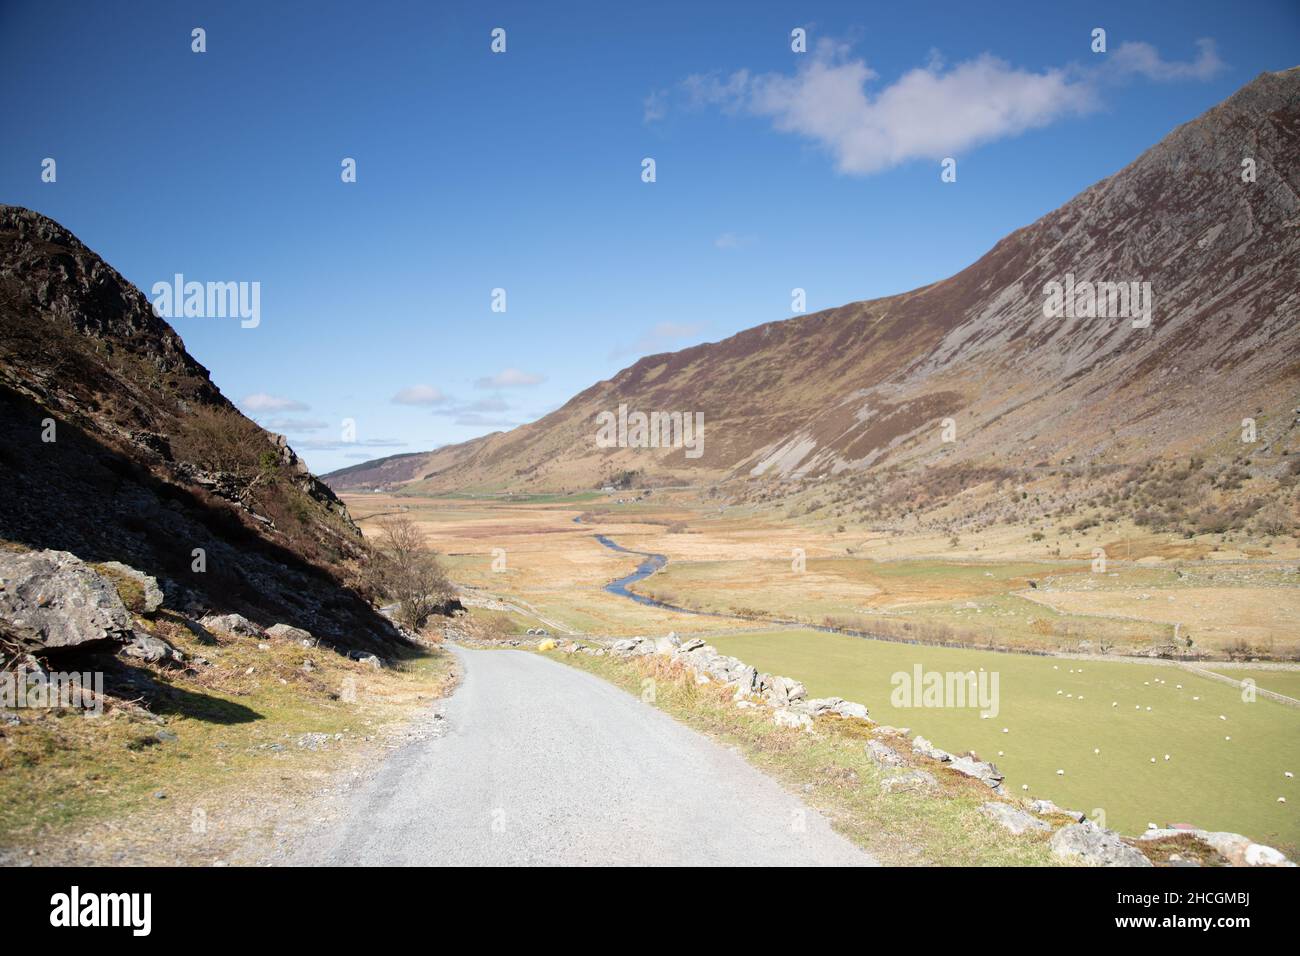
<point>254,721</point>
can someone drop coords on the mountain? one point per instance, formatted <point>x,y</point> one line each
<point>116,446</point>
<point>864,389</point>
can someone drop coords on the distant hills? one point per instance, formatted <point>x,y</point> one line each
<point>1207,222</point>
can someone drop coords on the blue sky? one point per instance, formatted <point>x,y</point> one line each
<point>522,171</point>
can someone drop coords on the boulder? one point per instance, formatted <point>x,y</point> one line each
<point>1048,808</point>
<point>782,690</point>
<point>821,705</point>
<point>152,594</point>
<point>155,650</point>
<point>1015,820</point>
<point>910,781</point>
<point>694,644</point>
<point>289,632</point>
<point>1088,843</point>
<point>883,755</point>
<point>365,657</point>
<point>665,647</point>
<point>791,719</point>
<point>926,749</point>
<point>980,770</point>
<point>849,709</point>
<point>231,625</point>
<point>745,678</point>
<point>53,601</point>
<point>1241,851</point>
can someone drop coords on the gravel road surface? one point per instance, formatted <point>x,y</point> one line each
<point>538,763</point>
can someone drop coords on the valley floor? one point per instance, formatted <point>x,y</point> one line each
<point>1097,714</point>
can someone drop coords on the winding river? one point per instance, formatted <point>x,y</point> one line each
<point>654,562</point>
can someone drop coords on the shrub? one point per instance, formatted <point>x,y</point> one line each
<point>406,570</point>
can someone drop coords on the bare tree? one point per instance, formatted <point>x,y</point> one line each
<point>409,572</point>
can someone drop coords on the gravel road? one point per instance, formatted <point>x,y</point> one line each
<point>542,764</point>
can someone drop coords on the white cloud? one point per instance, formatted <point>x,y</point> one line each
<point>510,378</point>
<point>656,106</point>
<point>659,338</point>
<point>296,425</point>
<point>929,112</point>
<point>262,402</point>
<point>320,444</point>
<point>1136,57</point>
<point>732,240</point>
<point>419,395</point>
<point>477,420</point>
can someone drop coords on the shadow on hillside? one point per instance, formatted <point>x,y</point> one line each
<point>78,494</point>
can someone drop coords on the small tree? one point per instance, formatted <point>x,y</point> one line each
<point>409,572</point>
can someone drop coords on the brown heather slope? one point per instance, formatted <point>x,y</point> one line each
<point>149,460</point>
<point>840,391</point>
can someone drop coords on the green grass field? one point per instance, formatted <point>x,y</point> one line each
<point>1208,781</point>
<point>1279,682</point>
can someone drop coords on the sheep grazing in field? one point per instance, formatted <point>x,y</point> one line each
<point>1287,773</point>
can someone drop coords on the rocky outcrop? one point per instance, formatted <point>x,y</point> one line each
<point>1013,819</point>
<point>981,770</point>
<point>1088,843</point>
<point>151,595</point>
<point>231,625</point>
<point>116,446</point>
<point>52,601</point>
<point>286,632</point>
<point>883,755</point>
<point>1236,849</point>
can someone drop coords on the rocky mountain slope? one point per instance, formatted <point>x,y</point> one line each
<point>115,446</point>
<point>865,389</point>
